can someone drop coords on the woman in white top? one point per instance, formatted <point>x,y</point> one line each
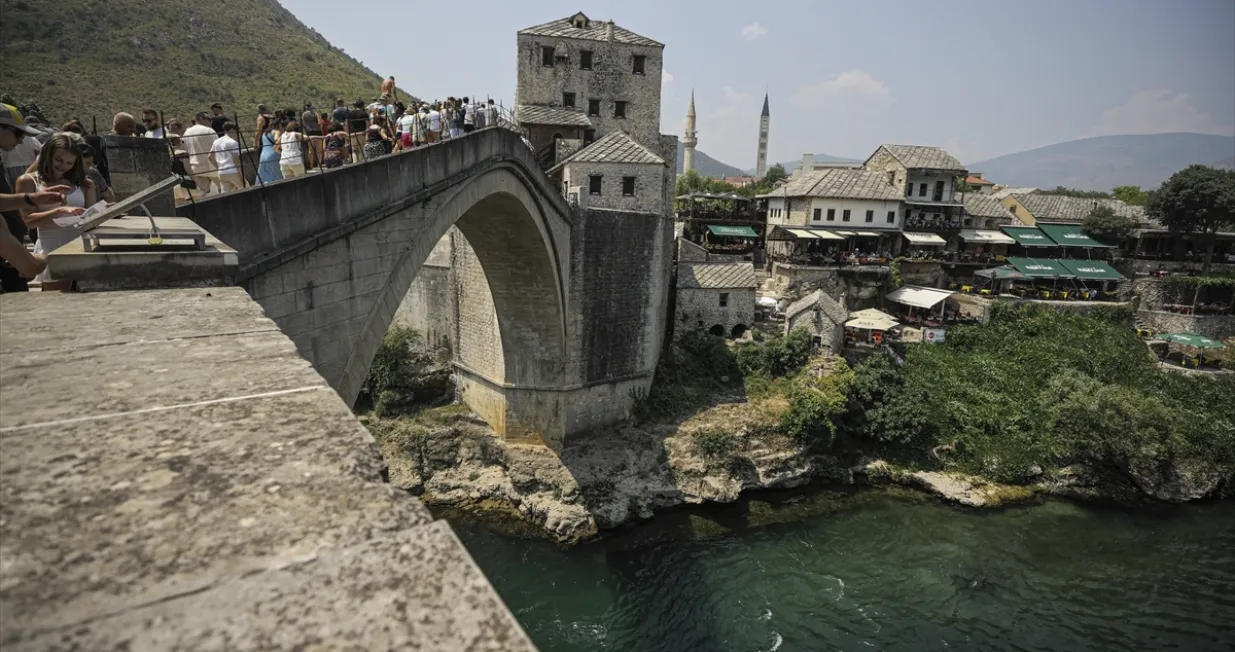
<point>59,164</point>
<point>291,151</point>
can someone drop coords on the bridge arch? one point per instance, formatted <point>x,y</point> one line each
<point>521,246</point>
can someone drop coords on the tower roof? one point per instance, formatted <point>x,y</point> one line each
<point>691,109</point>
<point>581,27</point>
<point>765,107</point>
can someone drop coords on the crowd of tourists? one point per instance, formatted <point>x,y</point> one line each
<point>59,173</point>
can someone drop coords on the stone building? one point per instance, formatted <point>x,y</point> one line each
<point>616,173</point>
<point>1032,208</point>
<point>823,316</point>
<point>718,298</point>
<point>983,211</point>
<point>927,176</point>
<point>591,71</point>
<point>589,96</point>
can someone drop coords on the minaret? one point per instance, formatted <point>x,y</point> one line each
<point>761,161</point>
<point>689,142</point>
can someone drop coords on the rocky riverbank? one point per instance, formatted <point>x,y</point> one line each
<point>620,476</point>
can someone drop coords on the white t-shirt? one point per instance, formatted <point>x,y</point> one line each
<point>289,142</point>
<point>154,133</point>
<point>469,114</point>
<point>435,121</point>
<point>224,151</point>
<point>406,122</point>
<point>196,142</point>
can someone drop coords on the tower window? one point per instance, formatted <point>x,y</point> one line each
<point>593,107</point>
<point>589,135</point>
<point>619,109</point>
<point>593,184</point>
<point>546,56</point>
<point>585,59</point>
<point>640,61</point>
<point>628,186</point>
<point>568,100</point>
<point>724,299</point>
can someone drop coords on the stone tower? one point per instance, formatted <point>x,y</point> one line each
<point>689,141</point>
<point>761,161</point>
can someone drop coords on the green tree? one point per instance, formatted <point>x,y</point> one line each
<point>775,174</point>
<point>692,181</point>
<point>1132,195</point>
<point>1075,192</point>
<point>1199,200</point>
<point>962,184</point>
<point>1104,224</point>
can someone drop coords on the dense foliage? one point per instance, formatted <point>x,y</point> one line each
<point>1105,225</point>
<point>1198,199</point>
<point>387,387</point>
<point>1036,388</point>
<point>1074,192</point>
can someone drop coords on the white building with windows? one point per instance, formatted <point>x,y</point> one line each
<point>849,208</point>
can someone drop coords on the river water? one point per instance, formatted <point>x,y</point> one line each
<point>878,570</point>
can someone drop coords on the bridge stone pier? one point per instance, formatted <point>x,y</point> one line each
<point>560,309</point>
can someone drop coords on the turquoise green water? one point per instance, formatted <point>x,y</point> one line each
<point>874,571</point>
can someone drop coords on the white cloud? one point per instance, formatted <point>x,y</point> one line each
<point>1155,112</point>
<point>848,86</point>
<point>754,31</point>
<point>665,76</point>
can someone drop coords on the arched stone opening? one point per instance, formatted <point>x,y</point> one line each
<point>717,330</point>
<point>738,331</point>
<point>511,341</point>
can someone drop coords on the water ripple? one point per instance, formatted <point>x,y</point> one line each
<point>888,575</point>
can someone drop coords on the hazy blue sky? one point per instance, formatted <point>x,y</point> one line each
<point>979,78</point>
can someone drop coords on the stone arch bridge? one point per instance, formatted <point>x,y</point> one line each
<point>561,309</point>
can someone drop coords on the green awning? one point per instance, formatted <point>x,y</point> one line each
<point>1040,267</point>
<point>733,231</point>
<point>1070,235</point>
<point>1191,339</point>
<point>1091,270</point>
<point>1028,236</point>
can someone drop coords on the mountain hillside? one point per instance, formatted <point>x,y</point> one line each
<point>1227,163</point>
<point>790,166</point>
<point>708,166</point>
<point>1107,161</point>
<point>92,58</point>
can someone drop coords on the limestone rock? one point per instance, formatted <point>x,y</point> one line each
<point>1175,482</point>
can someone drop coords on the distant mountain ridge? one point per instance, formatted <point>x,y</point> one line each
<point>1107,161</point>
<point>708,166</point>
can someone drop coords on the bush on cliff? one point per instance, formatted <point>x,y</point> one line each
<point>883,414</point>
<point>1036,388</point>
<point>689,375</point>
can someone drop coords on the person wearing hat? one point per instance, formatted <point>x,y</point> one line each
<point>20,263</point>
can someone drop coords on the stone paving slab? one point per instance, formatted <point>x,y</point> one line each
<point>415,590</point>
<point>206,490</point>
<point>102,380</point>
<point>36,321</point>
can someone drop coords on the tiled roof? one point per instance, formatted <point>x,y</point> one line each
<point>613,147</point>
<point>834,311</point>
<point>594,31</point>
<point>840,183</point>
<point>717,276</point>
<point>551,115</point>
<point>976,181</point>
<point>979,205</point>
<point>1004,192</point>
<point>1061,208</point>
<point>922,157</point>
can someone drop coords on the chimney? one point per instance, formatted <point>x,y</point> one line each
<point>609,31</point>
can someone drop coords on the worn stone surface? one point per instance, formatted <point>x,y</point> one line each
<point>175,477</point>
